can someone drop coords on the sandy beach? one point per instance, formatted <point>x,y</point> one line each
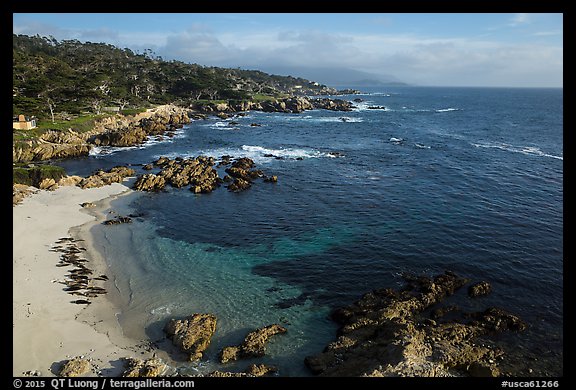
<point>47,328</point>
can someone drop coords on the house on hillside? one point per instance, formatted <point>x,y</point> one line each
<point>22,122</point>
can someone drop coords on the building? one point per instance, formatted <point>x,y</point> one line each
<point>24,123</point>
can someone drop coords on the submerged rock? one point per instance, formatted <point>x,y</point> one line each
<point>479,289</point>
<point>193,334</point>
<point>254,344</point>
<point>118,220</point>
<point>387,333</point>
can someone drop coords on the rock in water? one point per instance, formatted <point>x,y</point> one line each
<point>388,333</point>
<point>150,182</point>
<point>254,344</point>
<point>479,289</point>
<point>193,334</point>
<point>75,367</point>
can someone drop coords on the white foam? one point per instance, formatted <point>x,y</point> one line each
<point>150,140</point>
<point>362,106</point>
<point>343,119</point>
<point>259,152</point>
<point>374,94</point>
<point>396,140</point>
<point>527,150</point>
<point>420,146</point>
<point>221,125</point>
<point>447,109</point>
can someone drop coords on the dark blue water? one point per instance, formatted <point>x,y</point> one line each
<point>466,179</point>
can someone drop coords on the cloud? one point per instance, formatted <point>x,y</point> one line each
<point>519,19</point>
<point>413,58</point>
<point>42,29</point>
<point>547,33</point>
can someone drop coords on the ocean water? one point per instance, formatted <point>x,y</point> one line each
<point>464,179</point>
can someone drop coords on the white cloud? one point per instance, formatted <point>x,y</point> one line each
<point>411,58</point>
<point>520,19</point>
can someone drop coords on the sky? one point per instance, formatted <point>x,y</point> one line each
<point>432,49</point>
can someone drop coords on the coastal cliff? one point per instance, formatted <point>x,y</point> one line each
<point>122,131</point>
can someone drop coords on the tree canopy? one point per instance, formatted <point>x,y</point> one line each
<point>72,77</point>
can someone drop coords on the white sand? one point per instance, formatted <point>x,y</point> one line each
<point>45,328</point>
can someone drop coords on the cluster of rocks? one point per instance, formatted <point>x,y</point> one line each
<point>101,178</point>
<point>192,336</point>
<point>133,367</point>
<point>20,191</point>
<point>196,172</point>
<point>79,281</point>
<point>199,173</point>
<point>392,333</point>
<point>153,367</point>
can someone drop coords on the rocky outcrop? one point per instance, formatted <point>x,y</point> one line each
<point>20,191</point>
<point>294,105</point>
<point>150,182</point>
<point>243,174</point>
<point>102,178</point>
<point>75,367</point>
<point>144,368</point>
<point>332,104</point>
<point>253,370</point>
<point>254,345</point>
<point>479,289</point>
<point>41,151</point>
<point>69,180</point>
<point>386,333</point>
<point>193,334</point>
<point>134,130</point>
<point>115,130</point>
<point>196,172</point>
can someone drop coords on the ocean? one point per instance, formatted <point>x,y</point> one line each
<point>462,179</point>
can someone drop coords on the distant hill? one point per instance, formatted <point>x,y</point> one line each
<point>72,77</point>
<point>336,77</point>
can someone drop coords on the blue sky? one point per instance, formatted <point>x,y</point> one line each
<point>521,50</point>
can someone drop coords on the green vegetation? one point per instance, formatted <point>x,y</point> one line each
<point>32,175</point>
<point>57,79</point>
<point>132,111</point>
<point>79,124</point>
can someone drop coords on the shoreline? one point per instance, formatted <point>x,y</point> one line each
<point>47,328</point>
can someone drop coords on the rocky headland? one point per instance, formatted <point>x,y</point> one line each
<point>122,131</point>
